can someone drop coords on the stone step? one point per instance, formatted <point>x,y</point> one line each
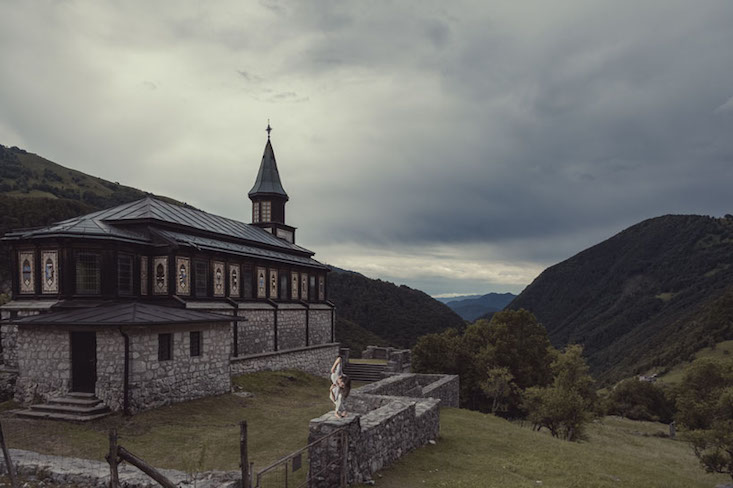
<point>32,414</point>
<point>70,409</point>
<point>80,394</point>
<point>82,402</point>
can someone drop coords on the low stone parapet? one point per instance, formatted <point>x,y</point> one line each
<point>386,420</point>
<point>316,360</point>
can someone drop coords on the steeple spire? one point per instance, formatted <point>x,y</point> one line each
<point>268,178</point>
<point>269,198</point>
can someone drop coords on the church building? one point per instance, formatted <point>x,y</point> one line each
<point>151,303</point>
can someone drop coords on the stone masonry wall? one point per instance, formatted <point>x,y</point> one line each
<point>155,383</point>
<point>9,337</point>
<point>319,326</point>
<point>257,334</point>
<point>110,367</point>
<point>291,327</point>
<point>381,427</point>
<point>316,360</point>
<point>44,363</point>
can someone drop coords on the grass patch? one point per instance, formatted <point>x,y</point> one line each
<point>721,350</point>
<point>198,435</point>
<point>475,449</point>
<point>665,297</point>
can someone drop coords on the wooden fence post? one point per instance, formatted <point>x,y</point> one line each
<point>114,478</point>
<point>244,461</point>
<point>8,462</point>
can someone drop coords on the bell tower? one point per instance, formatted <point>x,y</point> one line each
<point>269,197</point>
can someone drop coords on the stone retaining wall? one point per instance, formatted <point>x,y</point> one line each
<point>384,423</point>
<point>319,326</point>
<point>316,360</point>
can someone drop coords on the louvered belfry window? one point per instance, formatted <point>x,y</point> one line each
<point>88,273</point>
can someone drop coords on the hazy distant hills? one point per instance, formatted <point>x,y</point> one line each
<point>473,307</point>
<point>648,297</point>
<point>396,314</point>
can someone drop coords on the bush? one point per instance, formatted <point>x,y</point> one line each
<point>641,400</point>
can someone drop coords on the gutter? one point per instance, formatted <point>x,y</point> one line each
<point>126,377</point>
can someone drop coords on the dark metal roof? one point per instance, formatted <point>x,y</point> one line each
<point>132,313</point>
<point>210,244</point>
<point>110,223</point>
<point>268,178</point>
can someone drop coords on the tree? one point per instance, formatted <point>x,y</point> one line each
<point>512,340</point>
<point>564,407</point>
<point>640,400</point>
<point>498,386</point>
<point>705,406</point>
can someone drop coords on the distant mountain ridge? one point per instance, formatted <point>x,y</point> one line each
<point>474,308</point>
<point>396,314</point>
<point>646,298</point>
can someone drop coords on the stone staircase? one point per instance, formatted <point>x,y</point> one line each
<point>78,407</point>
<point>365,372</point>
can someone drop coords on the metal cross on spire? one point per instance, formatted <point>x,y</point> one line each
<point>269,129</point>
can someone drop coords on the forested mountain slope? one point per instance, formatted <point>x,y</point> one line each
<point>397,314</point>
<point>648,297</point>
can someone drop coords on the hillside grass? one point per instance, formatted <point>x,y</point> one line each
<point>198,435</point>
<point>721,350</point>
<point>478,450</point>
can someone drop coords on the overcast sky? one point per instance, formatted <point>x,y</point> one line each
<point>456,147</point>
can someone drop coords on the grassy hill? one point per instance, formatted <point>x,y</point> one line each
<point>397,314</point>
<point>651,296</point>
<point>479,450</point>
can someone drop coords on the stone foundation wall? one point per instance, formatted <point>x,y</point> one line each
<point>155,383</point>
<point>382,427</point>
<point>291,327</point>
<point>316,360</point>
<point>319,326</point>
<point>44,363</point>
<point>257,334</point>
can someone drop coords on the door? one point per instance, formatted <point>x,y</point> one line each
<point>83,361</point>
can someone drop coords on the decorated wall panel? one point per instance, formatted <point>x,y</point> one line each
<point>273,283</point>
<point>321,288</point>
<point>261,283</point>
<point>219,279</point>
<point>303,286</point>
<point>50,265</point>
<point>294,286</point>
<point>160,275</point>
<point>234,279</point>
<point>27,272</point>
<point>183,276</point>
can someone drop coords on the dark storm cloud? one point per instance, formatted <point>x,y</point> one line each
<point>429,142</point>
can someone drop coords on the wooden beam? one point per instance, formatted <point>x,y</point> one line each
<point>145,467</point>
<point>244,461</point>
